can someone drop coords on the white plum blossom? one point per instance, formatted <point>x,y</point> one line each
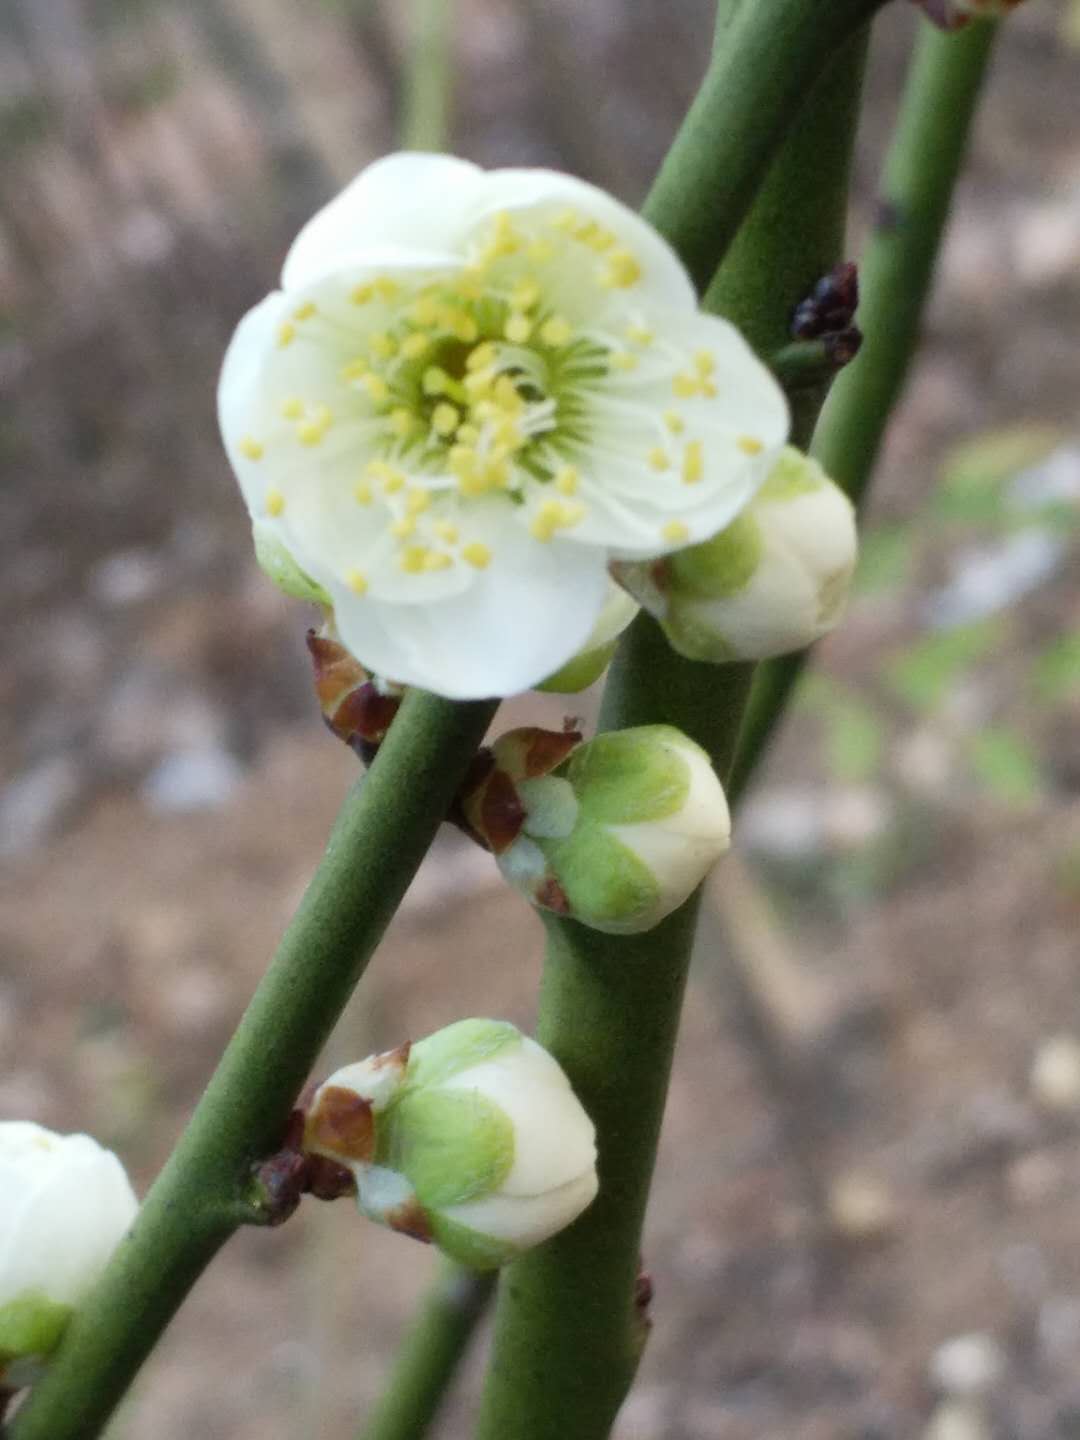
<point>65,1203</point>
<point>474,390</point>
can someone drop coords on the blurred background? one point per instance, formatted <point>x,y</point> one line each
<point>865,1222</point>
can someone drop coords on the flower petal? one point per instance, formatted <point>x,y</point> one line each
<point>518,621</point>
<point>396,202</point>
<point>675,447</point>
<point>663,279</point>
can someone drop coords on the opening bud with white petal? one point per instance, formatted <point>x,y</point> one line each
<point>65,1203</point>
<point>471,1138</point>
<point>622,832</point>
<point>775,580</point>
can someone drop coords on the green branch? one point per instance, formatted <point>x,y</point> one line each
<point>921,170</point>
<point>768,57</point>
<point>382,833</point>
<point>568,1335</point>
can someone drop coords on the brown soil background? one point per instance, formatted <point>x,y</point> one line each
<point>855,1168</point>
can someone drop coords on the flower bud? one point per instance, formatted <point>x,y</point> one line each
<point>776,579</point>
<point>471,1138</point>
<point>622,832</point>
<point>65,1204</point>
<point>592,660</point>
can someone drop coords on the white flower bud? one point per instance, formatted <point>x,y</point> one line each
<point>622,832</point>
<point>471,1138</point>
<point>65,1203</point>
<point>775,580</point>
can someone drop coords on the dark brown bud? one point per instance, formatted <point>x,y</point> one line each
<point>830,306</point>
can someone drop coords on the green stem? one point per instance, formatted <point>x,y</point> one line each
<point>430,1354</point>
<point>203,1193</point>
<point>568,1336</point>
<point>425,119</point>
<point>768,56</point>
<point>921,170</point>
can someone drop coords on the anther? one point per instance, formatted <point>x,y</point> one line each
<point>356,582</point>
<point>250,448</point>
<point>476,554</point>
<point>621,271</point>
<point>693,466</point>
<point>275,502</point>
<point>556,331</point>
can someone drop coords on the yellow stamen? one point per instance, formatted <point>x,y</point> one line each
<point>362,493</point>
<point>445,419</point>
<point>305,311</point>
<point>659,458</point>
<point>566,480</point>
<point>524,295</point>
<point>517,328</point>
<point>675,531</point>
<point>477,555</point>
<point>386,288</point>
<point>556,331</point>
<point>640,334</point>
<point>376,387</point>
<point>414,345</point>
<point>437,560</point>
<point>674,422</point>
<point>446,531</point>
<point>693,466</point>
<point>402,421</point>
<point>356,582</point>
<point>434,381</point>
<point>275,502</point>
<point>704,362</point>
<point>685,386</point>
<point>749,445</point>
<point>361,294</point>
<point>481,356</point>
<point>292,407</point>
<point>382,345</point>
<point>417,500</point>
<point>555,515</point>
<point>286,333</point>
<point>412,559</point>
<point>251,448</point>
<point>403,527</point>
<point>621,271</point>
<point>622,360</point>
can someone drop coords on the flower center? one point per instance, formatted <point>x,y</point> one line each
<point>489,384</point>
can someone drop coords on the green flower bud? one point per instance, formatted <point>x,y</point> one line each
<point>65,1204</point>
<point>590,663</point>
<point>622,832</point>
<point>776,579</point>
<point>471,1138</point>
